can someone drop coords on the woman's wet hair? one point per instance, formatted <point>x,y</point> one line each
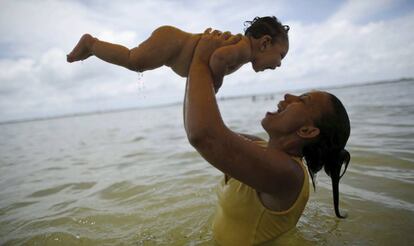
<point>328,151</point>
<point>268,25</point>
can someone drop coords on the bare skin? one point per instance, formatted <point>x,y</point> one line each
<point>174,48</point>
<point>82,49</point>
<point>271,172</point>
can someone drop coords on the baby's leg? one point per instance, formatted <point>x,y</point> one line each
<point>152,53</point>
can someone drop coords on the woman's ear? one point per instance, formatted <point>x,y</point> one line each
<point>308,132</point>
<point>265,42</point>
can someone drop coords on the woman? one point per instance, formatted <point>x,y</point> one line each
<point>265,188</point>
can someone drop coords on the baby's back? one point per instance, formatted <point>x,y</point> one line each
<point>181,45</point>
<point>183,61</point>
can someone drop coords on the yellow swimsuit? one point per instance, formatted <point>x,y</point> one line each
<point>241,218</point>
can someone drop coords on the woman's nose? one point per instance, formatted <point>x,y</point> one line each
<point>289,97</point>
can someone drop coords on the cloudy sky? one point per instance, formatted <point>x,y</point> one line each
<point>331,43</point>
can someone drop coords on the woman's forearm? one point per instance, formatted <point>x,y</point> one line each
<point>201,114</point>
<point>202,119</point>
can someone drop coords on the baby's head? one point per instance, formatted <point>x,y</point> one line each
<point>270,42</point>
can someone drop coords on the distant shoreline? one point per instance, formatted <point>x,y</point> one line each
<point>80,114</point>
<point>322,88</point>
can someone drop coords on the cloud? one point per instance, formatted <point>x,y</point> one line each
<point>344,46</point>
<point>342,51</point>
<point>356,10</point>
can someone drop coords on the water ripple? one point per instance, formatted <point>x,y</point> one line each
<point>57,189</point>
<point>371,196</point>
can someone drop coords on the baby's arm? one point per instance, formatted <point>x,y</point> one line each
<point>227,59</point>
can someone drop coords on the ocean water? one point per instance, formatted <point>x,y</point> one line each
<point>132,178</point>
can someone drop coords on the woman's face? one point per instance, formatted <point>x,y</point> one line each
<point>295,112</point>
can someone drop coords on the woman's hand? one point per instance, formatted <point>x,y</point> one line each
<point>210,41</point>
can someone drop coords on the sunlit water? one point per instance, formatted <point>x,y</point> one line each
<point>132,178</point>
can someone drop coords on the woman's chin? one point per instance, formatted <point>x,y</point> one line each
<point>264,123</point>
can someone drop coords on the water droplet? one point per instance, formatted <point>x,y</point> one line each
<point>141,86</point>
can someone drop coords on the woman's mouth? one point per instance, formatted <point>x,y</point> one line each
<point>274,112</point>
<point>280,109</point>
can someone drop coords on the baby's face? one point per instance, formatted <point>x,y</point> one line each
<point>271,57</point>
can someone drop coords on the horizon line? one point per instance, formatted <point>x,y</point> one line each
<point>222,98</point>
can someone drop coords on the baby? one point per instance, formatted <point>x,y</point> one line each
<point>264,44</point>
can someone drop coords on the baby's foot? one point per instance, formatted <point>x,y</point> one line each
<point>82,50</point>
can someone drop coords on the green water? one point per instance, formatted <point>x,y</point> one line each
<point>131,178</point>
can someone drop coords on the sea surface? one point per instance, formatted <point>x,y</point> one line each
<point>132,178</point>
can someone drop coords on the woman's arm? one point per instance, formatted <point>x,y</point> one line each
<point>229,152</point>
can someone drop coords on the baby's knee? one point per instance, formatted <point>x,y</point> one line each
<point>136,65</point>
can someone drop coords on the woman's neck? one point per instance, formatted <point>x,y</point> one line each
<point>288,144</point>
